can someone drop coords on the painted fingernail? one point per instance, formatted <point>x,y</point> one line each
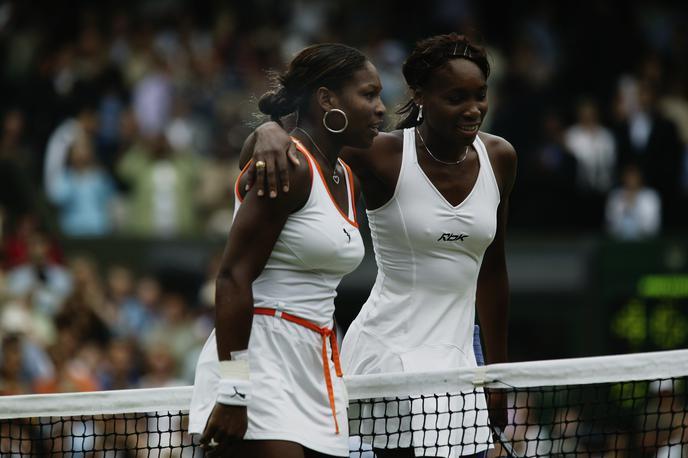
<point>246,188</point>
<point>260,192</point>
<point>273,194</point>
<point>285,188</point>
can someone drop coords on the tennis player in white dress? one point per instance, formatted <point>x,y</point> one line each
<point>289,374</point>
<point>420,314</point>
<point>272,387</point>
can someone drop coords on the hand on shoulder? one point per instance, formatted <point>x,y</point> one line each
<point>300,178</point>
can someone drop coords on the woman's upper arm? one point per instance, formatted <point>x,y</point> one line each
<point>503,160</point>
<point>506,160</point>
<point>257,226</point>
<point>254,232</point>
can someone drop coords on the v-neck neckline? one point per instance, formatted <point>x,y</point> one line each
<point>348,178</point>
<point>437,191</point>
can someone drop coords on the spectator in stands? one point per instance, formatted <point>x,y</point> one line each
<point>633,211</point>
<point>82,126</point>
<point>46,282</point>
<point>131,318</point>
<point>120,367</point>
<point>176,321</point>
<point>152,98</point>
<point>529,437</point>
<point>88,285</point>
<point>17,240</point>
<point>38,329</point>
<point>70,375</point>
<point>78,324</point>
<point>23,360</point>
<point>83,191</point>
<point>651,141</point>
<point>160,367</point>
<point>663,419</point>
<point>162,184</point>
<point>594,148</point>
<point>11,365</point>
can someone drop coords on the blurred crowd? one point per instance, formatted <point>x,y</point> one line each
<point>73,325</point>
<point>126,119</point>
<point>612,421</point>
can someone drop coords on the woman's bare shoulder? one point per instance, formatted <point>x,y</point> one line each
<point>498,146</point>
<point>503,158</point>
<point>384,145</point>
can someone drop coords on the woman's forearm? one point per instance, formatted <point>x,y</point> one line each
<point>268,137</point>
<point>493,302</point>
<point>493,311</point>
<point>233,315</point>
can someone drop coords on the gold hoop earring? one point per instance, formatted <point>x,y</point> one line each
<point>335,131</point>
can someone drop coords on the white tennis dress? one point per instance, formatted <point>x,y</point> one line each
<point>421,311</point>
<point>292,399</point>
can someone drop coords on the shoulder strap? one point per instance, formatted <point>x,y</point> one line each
<point>350,187</point>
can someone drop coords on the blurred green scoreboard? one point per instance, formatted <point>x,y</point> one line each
<point>644,289</point>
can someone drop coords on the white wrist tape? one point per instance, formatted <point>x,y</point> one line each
<point>234,387</point>
<point>234,368</point>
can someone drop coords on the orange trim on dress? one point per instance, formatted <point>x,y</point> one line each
<point>305,151</point>
<point>326,334</point>
<point>236,185</point>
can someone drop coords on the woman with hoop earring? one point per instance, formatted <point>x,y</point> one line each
<point>268,381</point>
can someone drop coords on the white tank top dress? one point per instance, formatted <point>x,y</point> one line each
<point>421,310</point>
<point>298,394</point>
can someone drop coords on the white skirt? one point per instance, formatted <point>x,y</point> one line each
<point>289,394</point>
<point>447,425</point>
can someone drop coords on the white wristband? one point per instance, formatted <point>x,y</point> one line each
<point>234,387</point>
<point>233,392</point>
<point>234,369</point>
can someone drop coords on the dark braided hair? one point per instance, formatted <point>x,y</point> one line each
<point>429,55</point>
<point>328,65</point>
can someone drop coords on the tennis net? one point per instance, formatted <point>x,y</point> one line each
<point>613,406</point>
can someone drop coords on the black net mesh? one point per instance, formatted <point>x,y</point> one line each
<point>628,419</point>
<point>625,419</point>
<point>161,434</point>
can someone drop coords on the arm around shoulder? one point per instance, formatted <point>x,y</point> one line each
<point>271,145</point>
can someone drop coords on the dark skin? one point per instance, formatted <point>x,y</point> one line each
<point>454,104</point>
<point>255,230</point>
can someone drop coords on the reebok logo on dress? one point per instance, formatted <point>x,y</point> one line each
<point>449,237</point>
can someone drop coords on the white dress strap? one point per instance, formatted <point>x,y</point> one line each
<point>349,190</point>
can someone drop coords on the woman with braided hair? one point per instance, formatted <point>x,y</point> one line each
<point>436,192</point>
<point>268,381</point>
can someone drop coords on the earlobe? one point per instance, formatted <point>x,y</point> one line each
<point>325,98</point>
<point>418,98</point>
